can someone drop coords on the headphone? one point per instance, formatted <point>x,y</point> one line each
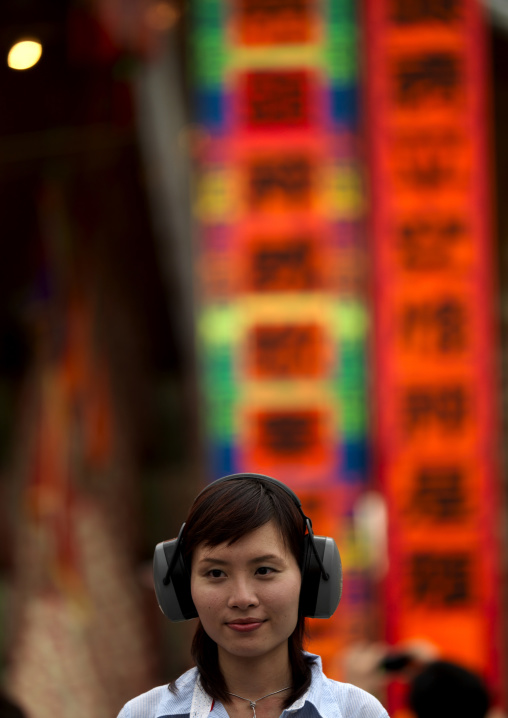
<point>321,569</point>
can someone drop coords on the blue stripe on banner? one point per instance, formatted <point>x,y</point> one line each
<point>209,105</point>
<point>344,105</point>
<point>222,460</point>
<point>354,461</point>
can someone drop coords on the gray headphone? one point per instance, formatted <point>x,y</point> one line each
<point>321,569</point>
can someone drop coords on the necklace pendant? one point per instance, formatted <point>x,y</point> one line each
<point>253,703</point>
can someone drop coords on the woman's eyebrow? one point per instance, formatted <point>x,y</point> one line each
<point>256,559</point>
<point>266,557</point>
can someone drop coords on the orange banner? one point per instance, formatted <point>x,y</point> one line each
<point>435,415</point>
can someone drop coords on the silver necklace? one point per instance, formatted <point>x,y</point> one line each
<point>253,703</point>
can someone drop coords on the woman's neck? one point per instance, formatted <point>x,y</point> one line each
<point>254,677</point>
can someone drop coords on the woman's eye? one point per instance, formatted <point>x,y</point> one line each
<point>215,573</point>
<point>265,570</point>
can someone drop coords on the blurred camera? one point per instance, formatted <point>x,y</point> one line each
<point>395,662</point>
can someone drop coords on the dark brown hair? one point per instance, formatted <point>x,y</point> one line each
<point>224,512</point>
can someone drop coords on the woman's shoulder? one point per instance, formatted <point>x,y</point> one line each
<point>354,702</point>
<point>145,705</point>
<point>333,698</point>
<point>161,700</point>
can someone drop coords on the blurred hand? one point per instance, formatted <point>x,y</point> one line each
<point>361,663</point>
<point>371,665</point>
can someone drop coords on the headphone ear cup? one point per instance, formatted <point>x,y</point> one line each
<point>319,597</point>
<point>173,595</point>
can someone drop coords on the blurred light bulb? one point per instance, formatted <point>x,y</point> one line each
<point>162,15</point>
<point>24,54</point>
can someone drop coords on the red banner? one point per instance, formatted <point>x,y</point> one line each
<point>435,384</point>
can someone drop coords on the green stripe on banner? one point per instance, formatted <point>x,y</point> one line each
<point>352,364</point>
<point>341,56</point>
<point>209,57</point>
<point>219,416</point>
<point>218,369</point>
<point>219,390</point>
<point>352,413</point>
<point>208,14</point>
<point>341,12</point>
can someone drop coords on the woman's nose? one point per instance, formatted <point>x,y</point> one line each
<point>242,595</point>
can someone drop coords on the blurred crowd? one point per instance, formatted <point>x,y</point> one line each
<point>435,687</point>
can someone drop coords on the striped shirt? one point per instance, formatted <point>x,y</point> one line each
<point>325,698</point>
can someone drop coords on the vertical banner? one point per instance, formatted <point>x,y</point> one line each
<point>435,424</point>
<point>280,211</point>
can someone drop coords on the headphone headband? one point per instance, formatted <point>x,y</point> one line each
<point>268,479</point>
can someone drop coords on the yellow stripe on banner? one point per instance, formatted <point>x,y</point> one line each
<point>355,551</point>
<point>346,319</point>
<point>276,57</point>
<point>291,306</point>
<point>343,194</point>
<point>217,198</point>
<point>303,394</point>
<point>227,323</point>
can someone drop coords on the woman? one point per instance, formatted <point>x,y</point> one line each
<point>237,564</point>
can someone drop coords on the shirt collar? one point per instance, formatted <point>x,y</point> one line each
<point>202,703</point>
<point>314,691</point>
<point>178,703</point>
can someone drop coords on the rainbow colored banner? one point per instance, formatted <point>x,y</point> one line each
<point>280,207</point>
<point>436,426</point>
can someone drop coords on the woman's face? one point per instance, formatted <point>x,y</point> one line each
<point>247,594</point>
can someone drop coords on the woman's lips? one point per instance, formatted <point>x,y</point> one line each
<point>245,626</point>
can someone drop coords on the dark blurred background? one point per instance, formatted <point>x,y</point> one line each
<point>96,305</point>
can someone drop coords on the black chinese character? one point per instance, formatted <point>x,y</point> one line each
<point>441,580</point>
<point>290,176</point>
<point>427,245</point>
<point>289,433</point>
<point>407,12</point>
<point>431,76</point>
<point>426,160</point>
<point>277,98</point>
<point>435,326</point>
<point>439,493</point>
<point>273,7</point>
<point>445,408</point>
<point>284,267</point>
